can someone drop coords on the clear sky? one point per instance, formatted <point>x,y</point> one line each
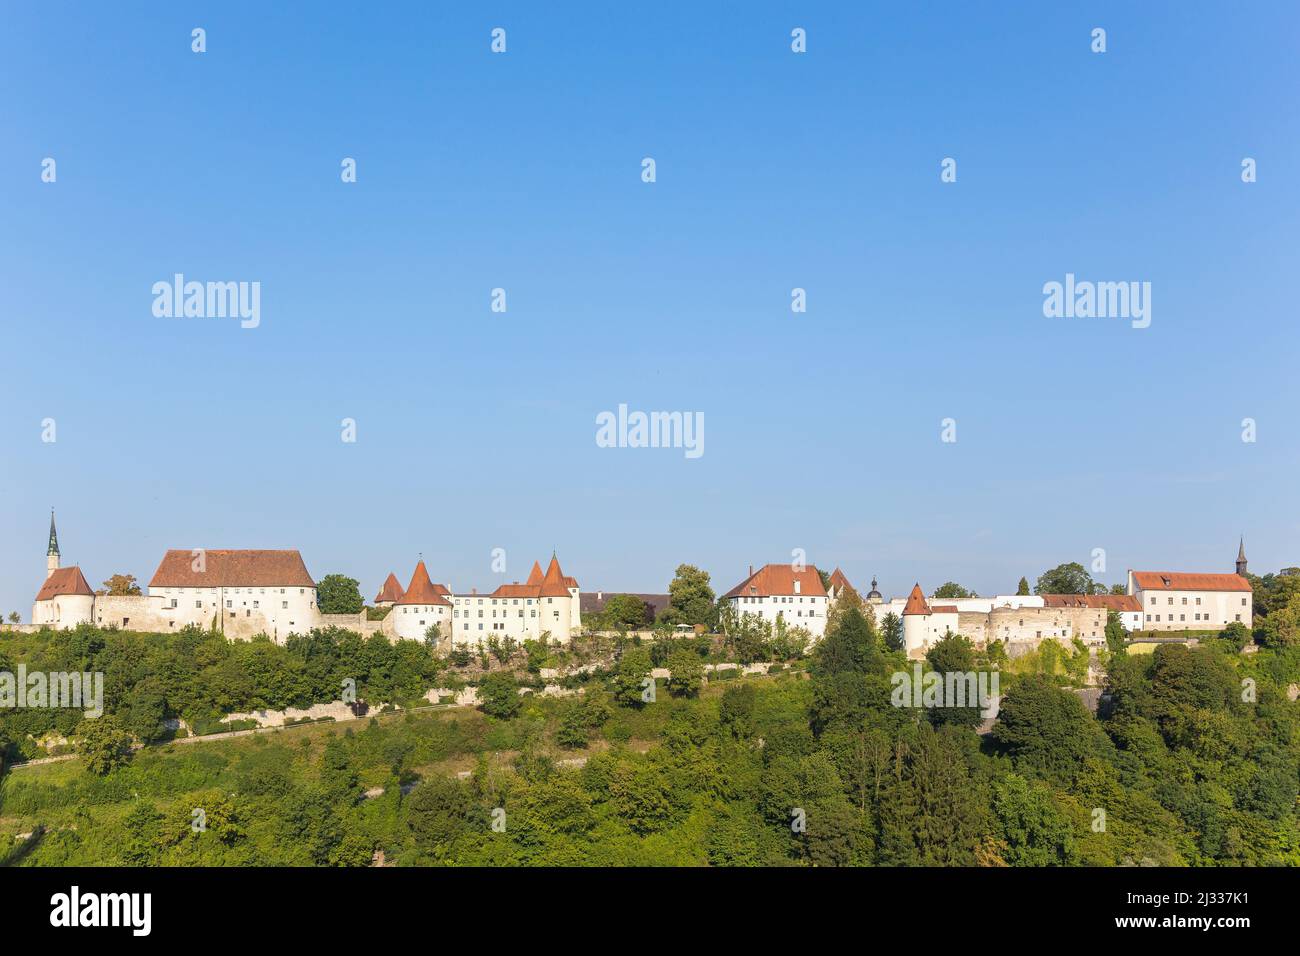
<point>476,430</point>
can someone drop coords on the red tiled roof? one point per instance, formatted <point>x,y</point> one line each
<point>64,581</point>
<point>517,590</point>
<point>553,584</point>
<point>839,580</point>
<point>223,569</point>
<point>916,603</point>
<point>391,591</point>
<point>943,609</point>
<point>535,575</point>
<point>779,579</point>
<point>1175,581</point>
<point>1111,602</point>
<point>421,590</point>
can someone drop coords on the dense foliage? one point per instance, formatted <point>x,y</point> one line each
<point>1193,758</point>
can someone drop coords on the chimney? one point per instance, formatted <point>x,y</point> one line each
<point>600,595</point>
<point>751,570</point>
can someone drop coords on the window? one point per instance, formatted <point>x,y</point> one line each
<point>199,605</point>
<point>284,605</point>
<point>173,602</point>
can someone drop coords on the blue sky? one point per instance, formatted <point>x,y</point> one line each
<point>476,430</point>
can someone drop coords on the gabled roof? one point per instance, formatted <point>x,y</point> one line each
<point>838,579</point>
<point>391,591</point>
<point>1111,602</point>
<point>224,569</point>
<point>779,580</point>
<point>64,581</point>
<point>421,589</point>
<point>916,603</point>
<point>1176,581</point>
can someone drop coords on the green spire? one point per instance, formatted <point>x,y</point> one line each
<point>54,538</point>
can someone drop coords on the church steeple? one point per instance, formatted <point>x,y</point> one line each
<point>1241,556</point>
<point>52,552</point>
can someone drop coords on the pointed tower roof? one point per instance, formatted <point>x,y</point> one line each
<point>553,583</point>
<point>421,590</point>
<point>916,603</point>
<point>1241,548</point>
<point>535,575</point>
<point>391,591</point>
<point>54,537</point>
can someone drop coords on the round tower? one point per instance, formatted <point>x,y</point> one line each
<point>915,628</point>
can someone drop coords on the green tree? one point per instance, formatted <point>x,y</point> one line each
<point>626,612</point>
<point>1236,635</point>
<point>145,707</point>
<point>572,732</point>
<point>121,585</point>
<point>852,645</point>
<point>441,810</point>
<point>1281,628</point>
<point>1116,636</point>
<point>736,711</point>
<point>687,673</point>
<point>951,589</point>
<point>1047,731</point>
<point>955,654</point>
<point>891,630</point>
<point>339,594</point>
<point>1023,587</point>
<point>499,695</point>
<point>1065,579</point>
<point>630,676</point>
<point>104,744</point>
<point>691,599</point>
<point>1035,830</point>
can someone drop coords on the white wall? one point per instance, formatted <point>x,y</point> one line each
<point>1194,610</point>
<point>798,610</point>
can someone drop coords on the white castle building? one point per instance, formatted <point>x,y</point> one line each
<point>547,603</point>
<point>240,593</point>
<point>1172,601</point>
<point>784,592</point>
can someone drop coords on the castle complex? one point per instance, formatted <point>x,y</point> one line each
<point>1155,601</point>
<point>249,592</point>
<point>243,593</point>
